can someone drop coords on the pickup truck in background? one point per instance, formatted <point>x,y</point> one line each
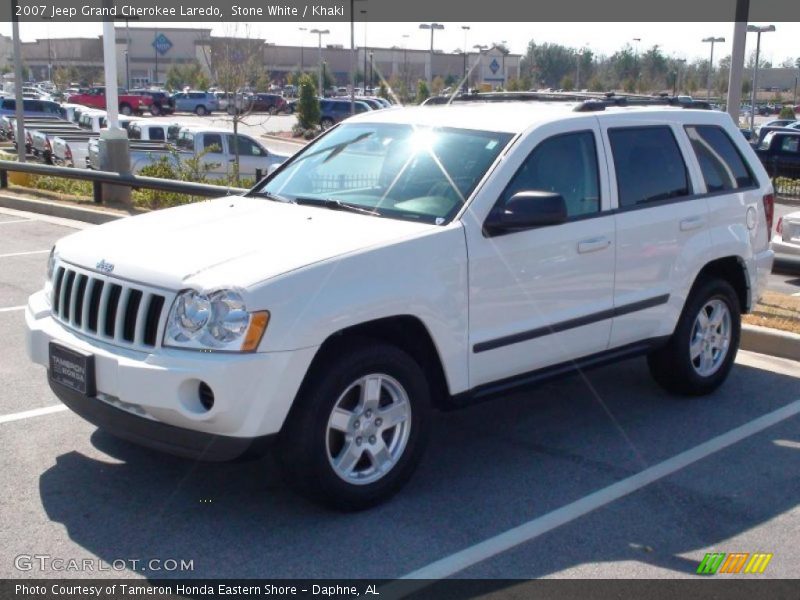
<point>42,135</point>
<point>160,132</point>
<point>779,152</point>
<point>217,146</point>
<point>128,103</point>
<point>72,149</point>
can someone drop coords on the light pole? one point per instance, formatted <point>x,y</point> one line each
<point>371,72</point>
<point>433,27</point>
<point>405,63</point>
<point>636,58</point>
<point>712,40</point>
<point>466,28</point>
<point>757,30</point>
<point>320,33</point>
<point>504,42</point>
<point>364,74</point>
<point>480,48</point>
<point>302,47</point>
<point>127,55</point>
<point>677,89</point>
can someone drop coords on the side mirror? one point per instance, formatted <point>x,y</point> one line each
<point>527,210</point>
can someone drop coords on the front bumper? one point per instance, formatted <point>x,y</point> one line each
<point>153,397</point>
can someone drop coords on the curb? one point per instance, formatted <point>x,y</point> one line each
<point>61,210</point>
<point>277,138</point>
<point>764,340</point>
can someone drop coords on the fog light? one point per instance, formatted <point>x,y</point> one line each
<point>206,395</point>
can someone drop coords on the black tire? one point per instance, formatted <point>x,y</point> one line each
<point>326,123</point>
<point>304,443</point>
<point>201,111</point>
<point>273,110</point>
<point>155,109</point>
<point>672,366</point>
<point>125,109</point>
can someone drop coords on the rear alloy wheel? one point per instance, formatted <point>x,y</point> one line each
<point>200,111</point>
<point>155,109</point>
<point>272,110</point>
<point>326,123</point>
<point>701,351</point>
<point>126,109</point>
<point>358,427</point>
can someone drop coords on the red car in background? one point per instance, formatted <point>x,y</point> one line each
<point>128,103</point>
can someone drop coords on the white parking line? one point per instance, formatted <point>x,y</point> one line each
<point>36,412</point>
<point>24,253</point>
<point>15,221</point>
<point>526,532</point>
<point>11,308</point>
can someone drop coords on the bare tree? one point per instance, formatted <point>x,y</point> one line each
<point>235,62</point>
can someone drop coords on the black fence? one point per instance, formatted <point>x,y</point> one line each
<point>98,178</point>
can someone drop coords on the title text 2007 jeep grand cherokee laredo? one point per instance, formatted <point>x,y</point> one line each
<point>407,260</point>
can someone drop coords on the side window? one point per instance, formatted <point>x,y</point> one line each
<point>565,164</point>
<point>790,144</point>
<point>649,165</point>
<point>157,133</point>
<point>246,146</point>
<point>212,142</point>
<point>186,141</point>
<point>720,161</point>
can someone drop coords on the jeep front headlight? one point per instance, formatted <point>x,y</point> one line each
<point>217,320</point>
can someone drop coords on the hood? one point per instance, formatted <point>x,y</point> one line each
<point>232,241</point>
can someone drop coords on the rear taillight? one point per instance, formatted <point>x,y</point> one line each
<point>28,139</point>
<point>48,145</point>
<point>769,211</point>
<point>67,153</point>
<point>779,227</point>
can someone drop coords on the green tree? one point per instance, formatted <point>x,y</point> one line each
<point>567,83</point>
<point>423,93</point>
<point>383,91</point>
<point>787,112</point>
<point>308,110</point>
<point>596,84</point>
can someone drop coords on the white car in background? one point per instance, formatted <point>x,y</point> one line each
<point>786,241</point>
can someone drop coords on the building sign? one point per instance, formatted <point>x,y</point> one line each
<point>494,66</point>
<point>162,44</point>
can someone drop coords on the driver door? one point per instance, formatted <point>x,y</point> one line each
<point>543,296</point>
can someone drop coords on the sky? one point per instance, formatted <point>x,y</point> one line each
<point>681,40</point>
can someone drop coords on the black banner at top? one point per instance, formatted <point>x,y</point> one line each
<point>399,10</point>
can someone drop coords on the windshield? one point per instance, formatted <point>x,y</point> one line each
<point>398,171</point>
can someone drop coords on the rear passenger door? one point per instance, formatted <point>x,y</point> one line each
<point>661,225</point>
<point>215,154</point>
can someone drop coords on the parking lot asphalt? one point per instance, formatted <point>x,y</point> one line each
<point>542,463</point>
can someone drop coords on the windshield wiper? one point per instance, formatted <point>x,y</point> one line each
<point>337,205</point>
<point>270,196</point>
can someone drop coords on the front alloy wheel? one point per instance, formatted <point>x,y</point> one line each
<point>368,429</point>
<point>358,427</point>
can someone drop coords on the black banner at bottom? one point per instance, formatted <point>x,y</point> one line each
<point>729,588</point>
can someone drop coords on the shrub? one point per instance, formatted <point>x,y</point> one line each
<point>423,93</point>
<point>787,112</point>
<point>308,111</point>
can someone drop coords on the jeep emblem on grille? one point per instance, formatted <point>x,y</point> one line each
<point>104,266</point>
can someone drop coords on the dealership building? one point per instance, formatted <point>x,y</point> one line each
<point>145,54</point>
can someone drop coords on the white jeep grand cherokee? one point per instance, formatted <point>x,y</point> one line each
<point>408,260</point>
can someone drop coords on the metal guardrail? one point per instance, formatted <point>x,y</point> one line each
<point>98,178</point>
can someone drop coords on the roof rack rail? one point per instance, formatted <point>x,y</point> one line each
<point>589,101</point>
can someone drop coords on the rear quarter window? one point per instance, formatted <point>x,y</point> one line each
<point>721,163</point>
<point>649,165</point>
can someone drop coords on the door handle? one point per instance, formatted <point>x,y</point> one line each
<point>593,244</point>
<point>692,223</point>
